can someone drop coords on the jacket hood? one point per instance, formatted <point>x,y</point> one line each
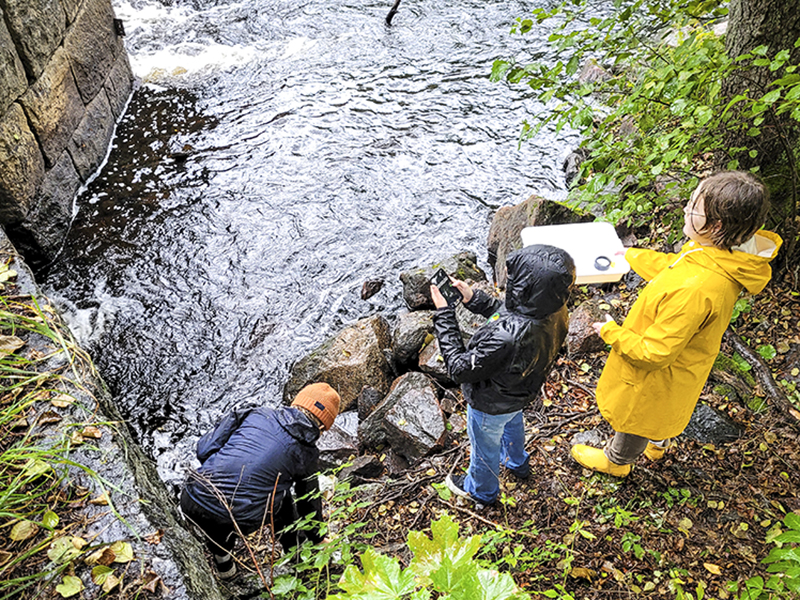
<point>539,280</point>
<point>747,264</point>
<point>298,425</point>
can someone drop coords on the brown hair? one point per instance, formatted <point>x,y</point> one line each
<point>735,204</point>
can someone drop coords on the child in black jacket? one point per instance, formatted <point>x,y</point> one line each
<point>506,362</point>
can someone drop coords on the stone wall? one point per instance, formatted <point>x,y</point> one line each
<point>65,81</point>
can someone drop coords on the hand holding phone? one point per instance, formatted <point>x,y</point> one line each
<point>449,292</point>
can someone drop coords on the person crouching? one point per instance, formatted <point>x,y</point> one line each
<point>249,463</point>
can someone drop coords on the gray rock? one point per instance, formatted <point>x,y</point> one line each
<point>348,361</point>
<point>92,47</point>
<point>592,72</point>
<point>90,141</point>
<point>119,84</point>
<point>709,426</point>
<point>13,82</point>
<point>367,400</point>
<point>593,437</point>
<point>42,233</point>
<point>509,221</point>
<point>409,419</point>
<point>23,166</point>
<point>432,362</point>
<point>410,332</point>
<point>361,469</point>
<point>416,283</point>
<point>581,338</point>
<point>340,443</point>
<point>37,27</point>
<point>54,107</point>
<point>457,423</point>
<point>449,401</point>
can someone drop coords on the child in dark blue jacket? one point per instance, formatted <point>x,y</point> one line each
<point>249,463</point>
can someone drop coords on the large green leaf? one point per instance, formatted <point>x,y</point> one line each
<point>381,579</point>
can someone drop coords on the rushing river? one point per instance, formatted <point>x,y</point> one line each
<point>277,155</point>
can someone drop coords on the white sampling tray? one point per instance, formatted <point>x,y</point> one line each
<point>585,242</point>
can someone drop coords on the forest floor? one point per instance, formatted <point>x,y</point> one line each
<point>693,522</point>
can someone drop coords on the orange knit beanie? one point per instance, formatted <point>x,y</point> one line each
<point>321,400</point>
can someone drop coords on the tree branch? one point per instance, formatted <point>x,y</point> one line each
<point>764,377</point>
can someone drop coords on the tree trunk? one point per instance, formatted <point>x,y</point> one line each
<point>776,24</point>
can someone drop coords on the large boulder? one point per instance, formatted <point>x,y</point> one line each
<point>354,358</point>
<point>409,419</point>
<point>509,221</point>
<point>417,283</point>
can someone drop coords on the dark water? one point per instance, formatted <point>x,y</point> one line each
<point>277,156</point>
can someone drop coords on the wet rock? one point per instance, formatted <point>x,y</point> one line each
<point>416,283</point>
<point>14,81</point>
<point>409,419</point>
<point>431,362</point>
<point>370,288</point>
<point>23,166</point>
<point>449,401</point>
<point>509,221</point>
<point>572,166</point>
<point>396,465</point>
<point>593,437</point>
<point>88,143</point>
<point>361,469</point>
<point>348,361</point>
<point>410,333</point>
<point>581,338</point>
<point>367,400</point>
<point>709,426</point>
<point>53,107</point>
<point>457,423</point>
<point>340,443</point>
<point>593,72</point>
<point>37,29</point>
<point>468,321</point>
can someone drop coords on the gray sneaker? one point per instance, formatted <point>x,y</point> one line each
<point>455,483</point>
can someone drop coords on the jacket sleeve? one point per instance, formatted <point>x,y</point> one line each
<point>476,364</point>
<point>648,263</point>
<point>483,304</point>
<point>309,501</point>
<point>215,439</point>
<point>679,316</point>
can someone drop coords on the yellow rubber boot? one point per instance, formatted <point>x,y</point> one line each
<point>596,460</point>
<point>654,452</point>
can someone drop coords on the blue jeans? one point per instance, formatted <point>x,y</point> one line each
<point>494,440</point>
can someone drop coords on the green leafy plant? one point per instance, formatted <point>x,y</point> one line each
<point>784,565</point>
<point>649,105</point>
<point>443,565</point>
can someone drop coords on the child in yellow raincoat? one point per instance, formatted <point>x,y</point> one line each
<point>662,354</point>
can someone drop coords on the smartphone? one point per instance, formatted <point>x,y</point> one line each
<point>448,290</point>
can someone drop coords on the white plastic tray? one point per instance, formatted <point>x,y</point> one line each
<point>585,242</point>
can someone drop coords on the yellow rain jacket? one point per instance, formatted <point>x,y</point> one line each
<point>662,354</point>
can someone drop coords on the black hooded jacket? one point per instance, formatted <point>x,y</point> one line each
<point>507,360</point>
<point>244,456</point>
